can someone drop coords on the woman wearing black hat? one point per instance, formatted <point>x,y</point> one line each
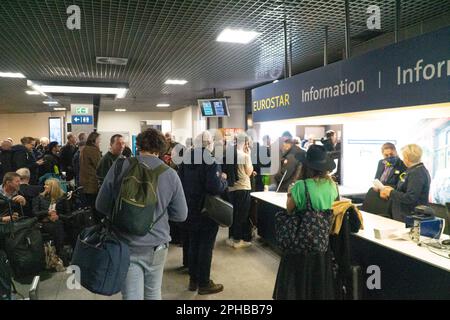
<point>308,275</point>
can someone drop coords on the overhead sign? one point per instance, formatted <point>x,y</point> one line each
<point>81,110</point>
<point>82,120</point>
<point>408,73</point>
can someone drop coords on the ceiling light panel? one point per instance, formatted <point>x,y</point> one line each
<point>237,36</point>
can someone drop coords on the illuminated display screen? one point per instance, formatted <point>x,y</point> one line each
<point>214,107</point>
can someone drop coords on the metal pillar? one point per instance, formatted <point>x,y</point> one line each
<point>286,62</point>
<point>398,8</point>
<point>325,47</point>
<point>347,30</point>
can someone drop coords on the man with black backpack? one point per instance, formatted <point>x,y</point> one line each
<point>139,196</point>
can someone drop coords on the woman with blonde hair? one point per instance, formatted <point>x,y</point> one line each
<point>414,185</point>
<point>48,207</point>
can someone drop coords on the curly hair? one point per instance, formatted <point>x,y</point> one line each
<point>151,140</point>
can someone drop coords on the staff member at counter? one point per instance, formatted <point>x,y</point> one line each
<point>390,167</point>
<point>414,185</point>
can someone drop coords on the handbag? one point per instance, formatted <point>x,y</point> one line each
<point>52,261</point>
<point>218,210</point>
<point>103,260</point>
<point>305,231</point>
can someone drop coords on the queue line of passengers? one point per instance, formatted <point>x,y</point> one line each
<point>180,197</point>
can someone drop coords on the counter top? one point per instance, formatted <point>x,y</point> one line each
<point>372,221</point>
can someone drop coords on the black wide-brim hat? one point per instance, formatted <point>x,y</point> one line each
<point>317,158</point>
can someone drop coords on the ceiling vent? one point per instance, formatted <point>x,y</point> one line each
<point>113,61</point>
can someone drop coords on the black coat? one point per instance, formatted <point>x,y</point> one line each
<point>5,207</point>
<point>6,163</point>
<point>29,192</point>
<point>66,159</point>
<point>41,205</point>
<point>411,192</point>
<point>199,180</point>
<point>22,158</point>
<point>342,257</point>
<point>393,178</point>
<point>76,167</point>
<point>51,165</point>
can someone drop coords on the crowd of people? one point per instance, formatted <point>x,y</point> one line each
<point>35,176</point>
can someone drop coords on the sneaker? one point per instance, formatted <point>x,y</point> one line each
<point>193,286</point>
<point>211,288</point>
<point>242,244</point>
<point>230,242</point>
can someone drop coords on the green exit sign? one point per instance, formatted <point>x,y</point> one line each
<point>81,110</point>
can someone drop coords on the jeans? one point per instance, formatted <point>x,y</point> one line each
<point>144,278</point>
<point>241,228</point>
<point>202,238</point>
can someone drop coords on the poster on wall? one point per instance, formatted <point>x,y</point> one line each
<point>55,129</point>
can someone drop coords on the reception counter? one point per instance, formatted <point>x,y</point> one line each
<point>408,271</point>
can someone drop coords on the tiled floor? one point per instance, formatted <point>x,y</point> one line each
<point>245,273</point>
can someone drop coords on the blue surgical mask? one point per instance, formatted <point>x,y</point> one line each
<point>392,160</point>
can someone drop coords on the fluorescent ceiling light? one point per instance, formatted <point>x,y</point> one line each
<point>59,109</point>
<point>33,93</point>
<point>11,75</point>
<point>51,102</point>
<point>178,82</point>
<point>163,105</point>
<point>119,92</point>
<point>35,87</point>
<point>237,36</point>
<point>120,110</point>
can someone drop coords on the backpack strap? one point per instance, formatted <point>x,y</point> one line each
<point>158,171</point>
<point>118,171</point>
<point>117,187</point>
<point>307,197</point>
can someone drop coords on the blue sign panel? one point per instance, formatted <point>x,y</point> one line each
<point>410,73</point>
<point>82,120</point>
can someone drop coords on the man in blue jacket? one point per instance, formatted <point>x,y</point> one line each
<point>201,175</point>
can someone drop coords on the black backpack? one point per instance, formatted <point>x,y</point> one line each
<point>25,248</point>
<point>5,277</point>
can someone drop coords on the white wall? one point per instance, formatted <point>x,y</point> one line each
<point>18,125</point>
<point>182,124</point>
<point>236,104</point>
<point>128,121</point>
